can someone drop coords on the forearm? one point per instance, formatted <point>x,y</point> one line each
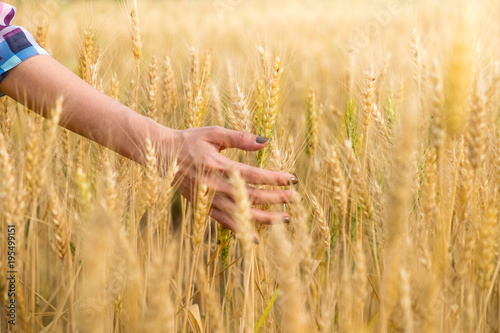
<point>40,80</point>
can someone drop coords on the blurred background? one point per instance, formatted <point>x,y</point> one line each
<point>425,258</point>
<point>314,39</point>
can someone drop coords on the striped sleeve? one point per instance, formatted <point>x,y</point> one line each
<point>16,44</point>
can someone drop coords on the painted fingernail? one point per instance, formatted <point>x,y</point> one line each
<point>261,139</point>
<point>286,219</point>
<point>293,180</point>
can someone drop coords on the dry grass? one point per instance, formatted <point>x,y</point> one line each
<point>390,123</point>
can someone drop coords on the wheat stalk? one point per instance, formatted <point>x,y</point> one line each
<point>153,89</point>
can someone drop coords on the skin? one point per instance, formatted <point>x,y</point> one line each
<point>40,80</point>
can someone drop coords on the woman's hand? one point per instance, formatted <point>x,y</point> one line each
<point>198,155</point>
<point>38,81</point>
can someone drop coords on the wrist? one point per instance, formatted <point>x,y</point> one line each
<point>162,137</point>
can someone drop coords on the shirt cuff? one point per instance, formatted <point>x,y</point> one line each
<point>16,46</point>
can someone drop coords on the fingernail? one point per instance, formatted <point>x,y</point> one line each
<point>256,239</point>
<point>286,219</point>
<point>261,139</point>
<point>293,180</point>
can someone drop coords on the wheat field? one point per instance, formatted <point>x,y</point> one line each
<point>387,112</point>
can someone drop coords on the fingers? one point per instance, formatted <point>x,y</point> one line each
<point>226,138</point>
<point>265,217</point>
<point>222,186</point>
<point>225,220</point>
<point>253,175</point>
<point>269,197</point>
<point>223,204</point>
<point>256,196</point>
<point>258,176</point>
<point>223,138</point>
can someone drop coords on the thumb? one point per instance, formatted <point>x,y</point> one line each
<point>241,140</point>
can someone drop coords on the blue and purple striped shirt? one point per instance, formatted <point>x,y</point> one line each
<point>16,44</point>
